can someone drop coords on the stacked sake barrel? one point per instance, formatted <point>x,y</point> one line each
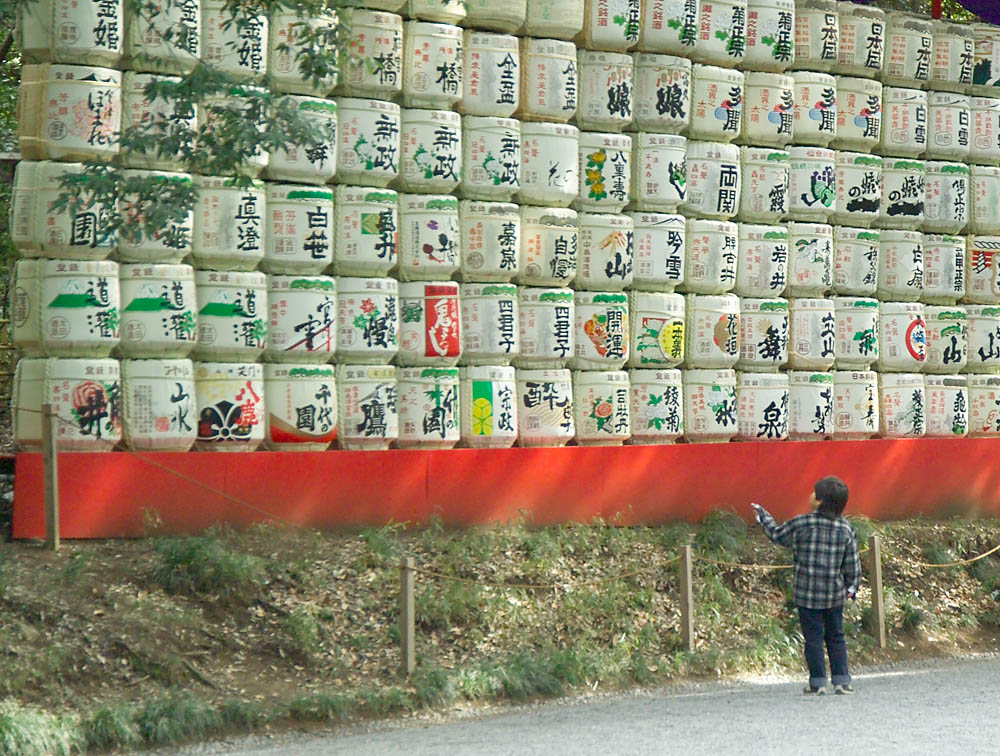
<point>596,222</point>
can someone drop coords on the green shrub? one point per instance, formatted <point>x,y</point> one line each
<point>29,732</point>
<point>176,719</point>
<point>721,533</point>
<point>112,728</point>
<point>205,565</point>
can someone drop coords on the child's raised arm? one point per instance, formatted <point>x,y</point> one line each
<point>780,534</point>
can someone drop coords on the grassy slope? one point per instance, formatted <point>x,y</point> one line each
<point>167,639</point>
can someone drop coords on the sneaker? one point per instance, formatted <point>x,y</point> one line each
<point>843,690</point>
<point>810,690</point>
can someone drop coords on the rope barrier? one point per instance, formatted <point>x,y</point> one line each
<point>957,563</point>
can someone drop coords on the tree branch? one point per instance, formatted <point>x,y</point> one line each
<point>6,47</point>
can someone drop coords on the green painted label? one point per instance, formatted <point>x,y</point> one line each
<point>556,296</point>
<point>386,197</point>
<point>821,378</point>
<point>610,299</point>
<point>779,156</point>
<point>776,235</point>
<point>439,373</point>
<point>868,160</point>
<point>961,169</point>
<point>869,236</point>
<point>774,307</point>
<point>442,204</point>
<point>905,165</point>
<point>508,290</point>
<point>316,372</point>
<point>306,284</point>
<point>323,194</point>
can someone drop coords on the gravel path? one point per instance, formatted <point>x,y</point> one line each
<point>941,708</point>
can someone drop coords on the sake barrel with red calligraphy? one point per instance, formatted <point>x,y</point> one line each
<point>855,261</point>
<point>657,330</point>
<point>658,251</point>
<point>862,40</point>
<point>229,231</point>
<point>230,403</point>
<point>812,334</point>
<point>368,141</point>
<point>232,315</point>
<point>902,405</point>
<point>984,339</point>
<point>374,64</point>
<point>904,122</point>
<point>299,230</point>
<point>285,49</point>
<point>855,405</point>
<point>954,51</point>
<point>428,407</point>
<point>659,171</point>
<point>768,108</point>
<point>902,337</point>
<point>859,114</point>
<point>669,26</point>
<point>158,405</point>
<point>944,269</point>
<point>762,407</point>
<point>367,410</point>
<point>302,319</point>
<point>817,34</point>
<point>365,230</point>
<point>549,243</point>
<point>710,256</point>
<point>657,411</point>
<point>429,236</point>
<point>710,411</point>
<point>810,259</point>
<point>491,79</point>
<point>611,24</point>
<point>237,49</point>
<point>159,305</point>
<point>717,103</point>
<point>601,407</point>
<point>432,65</point>
<point>985,146</point>
<point>810,405</point>
<point>430,330</point>
<point>488,415</point>
<point>901,266</point>
<point>713,180</point>
<point>549,83</point>
<point>85,396</point>
<point>601,338</point>
<point>770,35</point>
<point>712,331</point>
<point>764,189</point>
<point>856,323</point>
<point>605,172</point>
<point>815,108</point>
<point>950,123</point>
<point>604,260</point>
<point>490,327</point>
<point>546,325</point>
<point>909,44</point>
<point>544,407</point>
<point>946,197</point>
<point>981,285</point>
<point>490,240</point>
<point>947,339</point>
<point>80,307</point>
<point>984,406</point>
<point>662,93</point>
<point>301,405</point>
<point>762,268</point>
<point>63,31</point>
<point>763,334</point>
<point>947,398</point>
<point>723,32</point>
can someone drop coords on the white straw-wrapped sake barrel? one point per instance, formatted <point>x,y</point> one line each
<point>80,307</point>
<point>716,103</point>
<point>859,189</point>
<point>432,70</point>
<point>153,117</point>
<point>490,328</point>
<point>669,26</point>
<point>817,34</point>
<point>491,76</point>
<point>301,405</point>
<point>605,171</point>
<point>903,194</point>
<point>91,34</point>
<point>810,405</point>
<point>562,19</point>
<point>229,222</point>
<point>947,338</point>
<point>763,334</point>
<point>658,251</point>
<point>984,339</point>
<point>604,261</point>
<point>859,114</point>
<point>762,407</point>
<point>657,330</point>
<point>710,256</point>
<point>430,330</point>
<point>723,32</point>
<point>984,393</point>
<point>428,407</point>
<point>486,14</point>
<point>549,242</point>
<point>901,266</point>
<point>764,188</point>
<point>28,394</point>
<point>762,267</point>
<point>815,108</point>
<point>367,407</point>
<point>812,334</point>
<point>855,261</point>
<point>902,405</point>
<point>158,310</point>
<point>610,24</point>
<point>546,323</point>
<point>862,40</point>
<point>909,47</point>
<point>985,185</point>
<point>549,82</point>
<point>299,232</point>
<point>490,239</point>
<point>491,158</point>
<point>902,337</point>
<point>79,232</point>
<point>232,315</point>
<point>230,402</point>
<point>953,56</point>
<point>770,35</point>
<point>810,259</point>
<point>288,33</point>
<point>656,410</point>
<point>710,410</point>
<point>712,331</point>
<point>366,230</point>
<point>904,122</point>
<point>812,184</point>
<point>215,115</point>
<point>158,405</point>
<point>713,180</point>
<point>981,286</point>
<point>549,164</point>
<point>167,244</point>
<point>856,324</point>
<point>946,197</point>
<point>160,36</point>
<point>944,269</point>
<point>302,319</point>
<point>601,407</point>
<point>367,320</point>
<point>429,236</point>
<point>431,150</point>
<point>985,146</point>
<point>488,409</point>
<point>768,109</point>
<point>374,66</point>
<point>659,171</point>
<point>662,102</point>
<point>855,405</point>
<point>237,47</point>
<point>950,122</point>
<point>24,303</point>
<point>367,141</point>
<point>947,405</point>
<point>606,90</point>
<point>85,396</point>
<point>544,407</point>
<point>601,330</point>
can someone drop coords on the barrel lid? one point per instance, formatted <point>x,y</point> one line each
<point>228,370</point>
<point>660,60</point>
<point>534,294</point>
<point>487,373</point>
<point>167,369</point>
<point>273,370</point>
<point>346,193</point>
<point>553,375</point>
<point>551,216</point>
<point>302,283</point>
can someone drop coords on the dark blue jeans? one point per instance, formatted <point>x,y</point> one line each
<point>821,626</point>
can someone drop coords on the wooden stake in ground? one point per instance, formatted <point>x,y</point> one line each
<point>50,463</point>
<point>878,594</point>
<point>407,617</point>
<point>687,599</point>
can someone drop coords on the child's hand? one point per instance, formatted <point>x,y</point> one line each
<point>758,510</point>
<point>852,592</point>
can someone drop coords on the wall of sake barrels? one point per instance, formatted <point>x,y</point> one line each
<point>592,222</point>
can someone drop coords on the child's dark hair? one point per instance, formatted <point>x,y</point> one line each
<point>831,493</point>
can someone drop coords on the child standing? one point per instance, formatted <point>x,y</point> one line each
<point>827,570</point>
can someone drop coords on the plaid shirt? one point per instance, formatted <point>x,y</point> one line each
<point>826,557</point>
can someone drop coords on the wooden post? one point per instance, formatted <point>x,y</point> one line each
<point>51,471</point>
<point>407,614</point>
<point>878,594</point>
<point>687,599</point>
